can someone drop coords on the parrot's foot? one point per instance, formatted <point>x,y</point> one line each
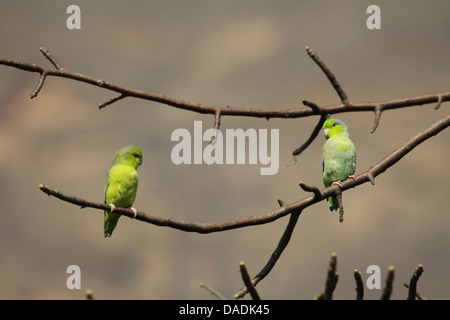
<point>337,183</point>
<point>113,207</point>
<point>135,212</point>
<point>351,177</point>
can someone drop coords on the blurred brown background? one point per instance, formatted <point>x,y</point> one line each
<point>244,54</point>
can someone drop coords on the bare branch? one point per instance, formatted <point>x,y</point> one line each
<point>413,283</point>
<point>39,85</point>
<point>89,294</point>
<point>387,289</point>
<point>50,58</point>
<point>359,285</point>
<point>248,283</point>
<point>329,75</point>
<point>214,292</point>
<point>276,253</point>
<point>312,105</point>
<point>310,110</point>
<point>110,101</point>
<point>312,137</point>
<point>202,228</point>
<point>332,279</point>
<point>418,294</point>
<point>312,189</point>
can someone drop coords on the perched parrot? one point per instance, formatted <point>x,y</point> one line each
<point>121,184</point>
<point>339,156</point>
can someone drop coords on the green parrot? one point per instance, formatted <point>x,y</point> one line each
<point>121,184</point>
<point>339,156</point>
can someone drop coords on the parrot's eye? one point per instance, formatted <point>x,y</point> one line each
<point>135,155</point>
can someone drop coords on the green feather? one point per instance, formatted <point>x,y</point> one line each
<point>339,156</point>
<point>121,184</point>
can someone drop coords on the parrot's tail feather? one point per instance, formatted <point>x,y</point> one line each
<point>111,220</point>
<point>333,203</point>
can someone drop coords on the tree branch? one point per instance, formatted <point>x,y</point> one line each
<point>418,294</point>
<point>248,283</point>
<point>412,292</point>
<point>214,292</point>
<point>387,289</point>
<point>329,75</point>
<point>359,285</point>
<point>312,137</point>
<point>89,294</point>
<point>332,279</point>
<point>282,244</point>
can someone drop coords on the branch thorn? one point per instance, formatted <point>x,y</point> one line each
<point>439,101</point>
<point>376,121</point>
<point>216,125</point>
<point>371,178</point>
<point>111,101</point>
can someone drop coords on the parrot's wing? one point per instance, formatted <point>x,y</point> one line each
<point>106,187</point>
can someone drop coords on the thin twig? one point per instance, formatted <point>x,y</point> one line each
<point>439,102</point>
<point>359,285</point>
<point>276,253</point>
<point>418,294</point>
<point>89,294</point>
<point>387,289</point>
<point>248,283</point>
<point>413,283</point>
<point>312,137</point>
<point>39,85</point>
<point>312,105</point>
<point>214,292</point>
<point>332,279</point>
<point>50,58</point>
<point>110,101</point>
<point>342,95</point>
<point>312,189</point>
